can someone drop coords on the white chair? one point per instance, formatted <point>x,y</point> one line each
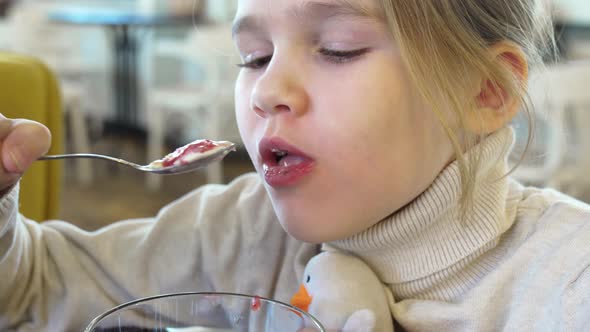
<point>204,105</point>
<point>559,155</point>
<point>32,33</point>
<point>4,34</point>
<point>573,177</point>
<point>578,49</point>
<point>545,155</point>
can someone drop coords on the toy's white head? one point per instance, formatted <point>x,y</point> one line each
<point>340,290</point>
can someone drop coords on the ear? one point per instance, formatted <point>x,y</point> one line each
<point>495,107</point>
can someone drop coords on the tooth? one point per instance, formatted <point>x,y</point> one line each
<point>278,152</point>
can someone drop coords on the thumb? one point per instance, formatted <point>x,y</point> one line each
<point>27,141</point>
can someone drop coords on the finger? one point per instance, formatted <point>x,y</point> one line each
<point>5,126</point>
<point>25,143</point>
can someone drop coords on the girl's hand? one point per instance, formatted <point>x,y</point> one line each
<point>21,143</point>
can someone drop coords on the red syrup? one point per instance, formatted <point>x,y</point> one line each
<point>195,147</point>
<point>256,304</point>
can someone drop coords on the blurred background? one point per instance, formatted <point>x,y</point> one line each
<point>139,78</point>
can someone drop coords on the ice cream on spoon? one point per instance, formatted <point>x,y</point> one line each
<point>193,151</point>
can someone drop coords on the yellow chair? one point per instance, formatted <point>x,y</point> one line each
<point>29,90</point>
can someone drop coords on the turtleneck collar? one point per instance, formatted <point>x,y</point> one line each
<point>428,235</point>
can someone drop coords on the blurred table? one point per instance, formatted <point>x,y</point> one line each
<point>124,27</point>
<point>4,6</point>
<point>570,24</point>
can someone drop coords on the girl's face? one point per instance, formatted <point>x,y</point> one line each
<point>329,116</point>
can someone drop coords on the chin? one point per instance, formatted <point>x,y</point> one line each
<point>310,231</point>
<point>305,220</point>
<point>304,235</point>
<point>299,227</point>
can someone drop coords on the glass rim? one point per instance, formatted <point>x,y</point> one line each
<point>100,317</point>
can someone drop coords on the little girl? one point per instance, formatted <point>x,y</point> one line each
<point>377,127</point>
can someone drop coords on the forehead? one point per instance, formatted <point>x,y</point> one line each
<point>280,7</point>
<point>251,12</point>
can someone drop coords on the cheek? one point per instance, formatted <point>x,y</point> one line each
<point>369,120</point>
<point>246,118</point>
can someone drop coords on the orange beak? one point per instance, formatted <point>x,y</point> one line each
<point>302,299</point>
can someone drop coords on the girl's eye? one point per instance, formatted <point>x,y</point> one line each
<point>256,63</point>
<point>334,56</point>
<point>337,56</point>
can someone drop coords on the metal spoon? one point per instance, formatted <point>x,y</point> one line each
<point>194,164</point>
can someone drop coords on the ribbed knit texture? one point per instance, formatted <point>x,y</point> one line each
<point>426,244</point>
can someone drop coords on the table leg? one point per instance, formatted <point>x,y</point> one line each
<point>125,77</point>
<point>132,77</point>
<point>124,125</point>
<point>118,73</point>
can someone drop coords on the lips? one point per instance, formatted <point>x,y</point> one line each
<point>282,163</point>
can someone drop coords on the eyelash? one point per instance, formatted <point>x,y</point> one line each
<point>333,56</point>
<point>256,63</point>
<point>336,56</point>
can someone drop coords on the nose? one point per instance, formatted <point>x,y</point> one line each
<point>280,89</point>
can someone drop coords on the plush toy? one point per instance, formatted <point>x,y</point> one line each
<point>344,294</point>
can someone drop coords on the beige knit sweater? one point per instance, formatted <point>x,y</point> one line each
<point>520,262</point>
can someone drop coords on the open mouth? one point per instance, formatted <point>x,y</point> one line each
<point>279,154</point>
<point>285,159</point>
<point>276,152</point>
<point>283,163</point>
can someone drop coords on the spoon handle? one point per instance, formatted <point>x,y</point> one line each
<point>87,155</point>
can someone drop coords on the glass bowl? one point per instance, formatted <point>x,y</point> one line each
<point>201,312</point>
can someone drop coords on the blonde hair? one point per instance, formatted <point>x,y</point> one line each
<point>446,42</point>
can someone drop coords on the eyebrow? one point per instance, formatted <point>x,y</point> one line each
<point>308,10</point>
